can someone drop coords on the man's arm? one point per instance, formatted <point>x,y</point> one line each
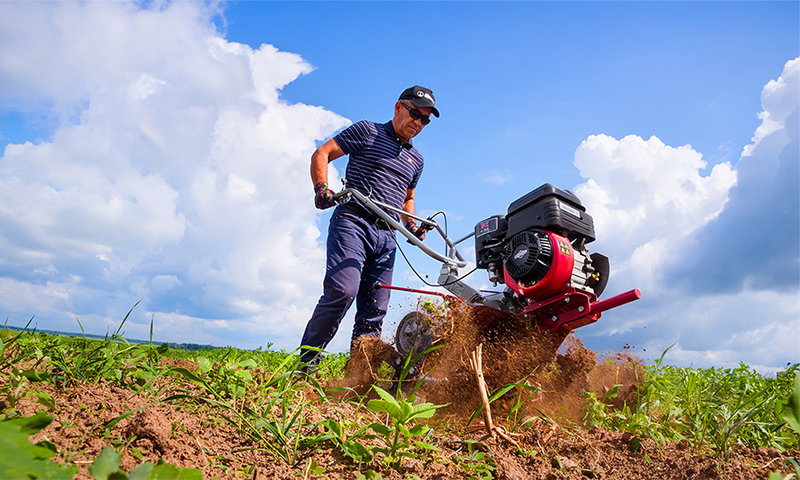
<point>322,156</point>
<point>410,223</point>
<point>408,205</point>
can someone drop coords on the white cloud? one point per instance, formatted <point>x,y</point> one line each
<point>495,178</point>
<point>779,100</point>
<point>146,85</point>
<point>176,175</point>
<point>718,256</point>
<point>17,296</point>
<point>755,327</point>
<point>646,196</point>
<point>165,282</point>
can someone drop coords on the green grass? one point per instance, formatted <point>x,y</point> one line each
<point>713,409</point>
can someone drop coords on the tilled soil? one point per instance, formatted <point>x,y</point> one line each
<point>552,446</point>
<point>183,436</point>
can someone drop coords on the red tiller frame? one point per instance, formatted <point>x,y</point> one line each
<point>568,310</point>
<point>575,308</point>
<point>616,301</point>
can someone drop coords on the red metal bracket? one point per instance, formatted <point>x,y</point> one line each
<point>575,308</point>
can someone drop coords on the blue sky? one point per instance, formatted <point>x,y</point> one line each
<point>159,152</point>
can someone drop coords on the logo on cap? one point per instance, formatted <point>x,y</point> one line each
<point>420,93</point>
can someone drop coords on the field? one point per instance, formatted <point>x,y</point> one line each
<point>107,408</point>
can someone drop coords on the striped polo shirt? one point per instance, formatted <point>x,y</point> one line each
<point>380,166</point>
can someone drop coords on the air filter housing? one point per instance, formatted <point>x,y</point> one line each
<point>528,257</point>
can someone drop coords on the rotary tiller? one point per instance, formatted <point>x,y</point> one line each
<point>537,250</point>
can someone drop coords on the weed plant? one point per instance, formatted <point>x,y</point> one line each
<point>268,407</point>
<point>711,408</point>
<point>518,417</point>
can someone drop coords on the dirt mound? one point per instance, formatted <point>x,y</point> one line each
<point>551,372</point>
<point>371,363</point>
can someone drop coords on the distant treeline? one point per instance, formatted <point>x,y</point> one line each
<point>190,346</point>
<point>176,346</point>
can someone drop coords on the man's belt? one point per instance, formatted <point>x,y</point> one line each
<point>381,223</point>
<point>370,217</point>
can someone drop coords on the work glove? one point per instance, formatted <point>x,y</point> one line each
<point>323,196</point>
<point>418,232</point>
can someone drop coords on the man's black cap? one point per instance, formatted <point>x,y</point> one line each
<point>420,97</point>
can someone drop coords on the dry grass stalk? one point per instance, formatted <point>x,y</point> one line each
<point>477,365</point>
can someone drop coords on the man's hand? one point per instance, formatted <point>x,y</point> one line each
<point>418,232</point>
<point>323,196</point>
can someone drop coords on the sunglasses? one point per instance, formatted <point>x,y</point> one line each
<point>417,115</point>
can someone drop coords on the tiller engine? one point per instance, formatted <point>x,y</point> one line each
<point>537,250</point>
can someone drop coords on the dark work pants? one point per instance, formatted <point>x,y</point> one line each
<point>359,255</point>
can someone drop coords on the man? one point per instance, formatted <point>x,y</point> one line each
<point>384,165</point>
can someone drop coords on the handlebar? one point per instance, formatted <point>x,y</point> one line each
<point>377,207</point>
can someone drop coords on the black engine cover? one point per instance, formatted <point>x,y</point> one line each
<point>546,208</point>
<point>550,208</point>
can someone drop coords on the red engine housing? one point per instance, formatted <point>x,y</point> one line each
<point>557,277</point>
<point>556,304</point>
